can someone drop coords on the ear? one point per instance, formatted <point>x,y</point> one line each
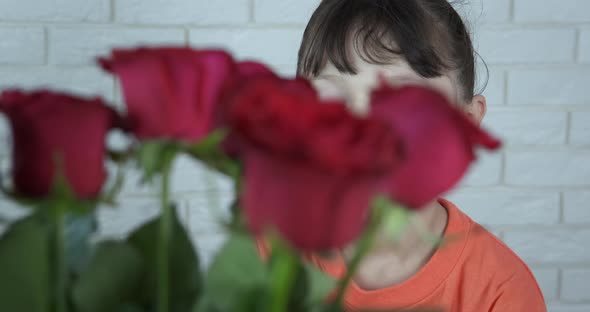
<point>477,109</point>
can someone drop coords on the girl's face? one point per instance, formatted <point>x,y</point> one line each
<point>356,89</point>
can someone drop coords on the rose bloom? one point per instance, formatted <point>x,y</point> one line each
<point>55,131</point>
<point>177,92</point>
<point>311,168</point>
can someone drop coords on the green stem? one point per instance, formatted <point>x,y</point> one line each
<point>363,246</point>
<point>284,272</point>
<point>60,260</point>
<point>164,238</point>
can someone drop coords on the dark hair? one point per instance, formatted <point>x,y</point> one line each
<point>429,34</point>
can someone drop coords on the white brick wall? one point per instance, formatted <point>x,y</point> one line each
<point>93,41</point>
<point>509,45</point>
<point>584,48</point>
<point>34,11</point>
<point>182,12</point>
<point>22,45</point>
<point>547,11</point>
<point>575,285</point>
<point>535,194</point>
<point>548,280</point>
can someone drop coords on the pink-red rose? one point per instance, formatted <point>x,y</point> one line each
<point>52,127</point>
<point>311,168</point>
<point>439,142</point>
<point>177,93</point>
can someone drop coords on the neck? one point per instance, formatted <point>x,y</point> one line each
<point>392,262</point>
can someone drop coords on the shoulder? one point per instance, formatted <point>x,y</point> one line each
<point>509,281</point>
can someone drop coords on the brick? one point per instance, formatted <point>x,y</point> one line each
<point>525,127</point>
<point>567,11</point>
<point>548,281</point>
<point>509,207</point>
<point>286,70</point>
<point>188,176</point>
<point>480,12</point>
<point>4,135</point>
<point>130,213</point>
<point>274,46</point>
<point>574,285</point>
<point>575,206</point>
<point>117,140</point>
<point>550,245</point>
<point>207,247</point>
<point>548,86</point>
<point>22,45</point>
<point>5,164</point>
<point>207,212</point>
<point>119,100</point>
<point>485,171</point>
<point>10,212</point>
<point>182,12</point>
<point>518,46</point>
<point>494,83</point>
<point>580,128</point>
<point>55,10</point>
<point>87,81</point>
<point>548,168</point>
<point>92,42</point>
<point>584,46</point>
<point>568,307</point>
<point>131,182</point>
<point>493,230</point>
<point>284,11</point>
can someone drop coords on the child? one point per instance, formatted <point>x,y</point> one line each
<point>346,45</point>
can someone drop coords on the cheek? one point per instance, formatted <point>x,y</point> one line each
<point>328,89</point>
<point>445,86</point>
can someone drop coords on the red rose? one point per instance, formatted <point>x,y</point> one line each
<point>439,142</point>
<point>175,93</point>
<point>45,125</point>
<point>311,167</point>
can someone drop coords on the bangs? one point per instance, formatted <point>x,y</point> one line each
<point>378,31</point>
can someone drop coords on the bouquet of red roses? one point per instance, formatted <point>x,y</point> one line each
<point>309,176</point>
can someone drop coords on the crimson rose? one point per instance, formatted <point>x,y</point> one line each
<point>177,93</point>
<point>311,168</point>
<point>438,139</point>
<point>46,125</point>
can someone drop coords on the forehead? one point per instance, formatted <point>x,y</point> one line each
<point>398,72</point>
<point>364,67</point>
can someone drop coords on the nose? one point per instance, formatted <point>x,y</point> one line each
<point>358,101</point>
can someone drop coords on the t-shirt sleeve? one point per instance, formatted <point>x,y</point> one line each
<point>520,293</point>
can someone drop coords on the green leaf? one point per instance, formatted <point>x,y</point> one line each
<point>152,156</point>
<point>298,296</point>
<point>112,278</point>
<point>185,276</point>
<point>236,272</point>
<point>129,308</point>
<point>24,267</point>
<point>320,285</point>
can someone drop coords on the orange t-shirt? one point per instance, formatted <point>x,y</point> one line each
<point>474,273</point>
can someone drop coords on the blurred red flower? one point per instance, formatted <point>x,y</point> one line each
<point>177,92</point>
<point>46,125</point>
<point>439,142</point>
<point>311,167</point>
